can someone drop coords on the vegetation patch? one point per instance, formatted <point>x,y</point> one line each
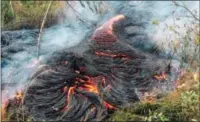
<point>28,14</point>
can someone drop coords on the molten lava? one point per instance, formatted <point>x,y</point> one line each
<point>163,76</point>
<point>105,32</point>
<point>109,106</point>
<point>87,84</point>
<point>91,88</point>
<point>125,57</point>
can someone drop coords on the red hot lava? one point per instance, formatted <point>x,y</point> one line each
<point>163,76</point>
<point>105,32</point>
<point>89,85</point>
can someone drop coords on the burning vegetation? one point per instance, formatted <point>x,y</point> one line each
<point>106,77</point>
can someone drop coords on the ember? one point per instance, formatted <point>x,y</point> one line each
<point>161,77</point>
<point>17,100</point>
<point>18,97</point>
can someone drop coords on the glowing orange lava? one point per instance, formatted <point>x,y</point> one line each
<point>161,77</point>
<point>125,57</point>
<point>108,106</point>
<point>87,84</point>
<point>105,32</point>
<point>71,91</point>
<point>91,88</point>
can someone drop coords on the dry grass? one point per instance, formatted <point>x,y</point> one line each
<point>28,14</point>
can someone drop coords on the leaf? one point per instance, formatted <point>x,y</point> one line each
<point>197,39</point>
<point>193,120</point>
<point>155,22</point>
<point>196,77</point>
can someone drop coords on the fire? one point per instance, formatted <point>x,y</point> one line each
<point>161,77</point>
<point>19,96</point>
<point>4,104</point>
<point>3,109</point>
<point>105,32</point>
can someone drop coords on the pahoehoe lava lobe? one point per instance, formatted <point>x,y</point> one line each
<point>107,76</point>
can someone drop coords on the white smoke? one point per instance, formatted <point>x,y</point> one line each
<point>64,35</point>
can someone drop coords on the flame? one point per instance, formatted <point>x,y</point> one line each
<point>19,95</point>
<point>161,77</point>
<point>4,104</point>
<point>3,109</point>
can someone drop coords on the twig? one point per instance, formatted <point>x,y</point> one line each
<point>77,14</point>
<point>185,7</point>
<point>11,7</point>
<point>41,27</point>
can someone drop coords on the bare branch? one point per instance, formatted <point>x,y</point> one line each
<point>76,12</point>
<point>11,7</point>
<point>186,8</point>
<point>41,27</point>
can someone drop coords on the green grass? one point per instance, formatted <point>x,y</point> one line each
<point>27,14</point>
<point>181,105</point>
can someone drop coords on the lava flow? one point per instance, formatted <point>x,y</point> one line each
<point>87,86</point>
